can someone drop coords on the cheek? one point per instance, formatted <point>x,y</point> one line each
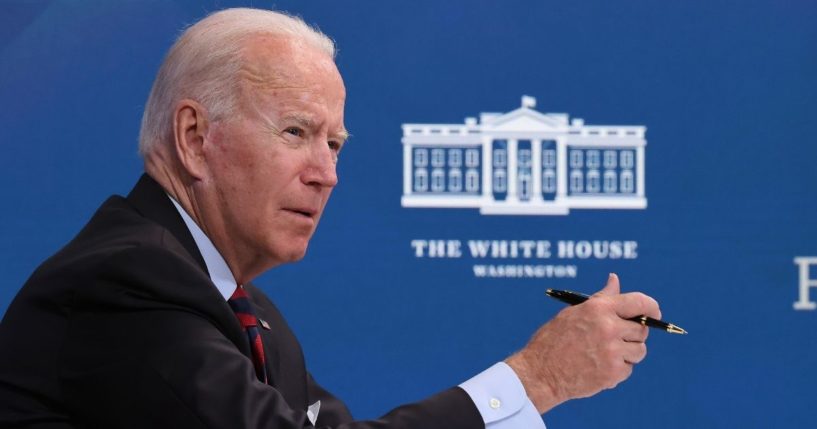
<point>229,178</point>
<point>231,161</point>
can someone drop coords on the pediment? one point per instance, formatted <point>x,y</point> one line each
<point>527,120</point>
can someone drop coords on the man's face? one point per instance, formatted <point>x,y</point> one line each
<point>272,165</point>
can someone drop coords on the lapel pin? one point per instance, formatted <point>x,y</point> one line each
<point>264,324</point>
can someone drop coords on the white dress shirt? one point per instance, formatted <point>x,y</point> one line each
<point>497,391</point>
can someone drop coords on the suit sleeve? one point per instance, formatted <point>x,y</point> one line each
<point>148,346</point>
<point>333,411</point>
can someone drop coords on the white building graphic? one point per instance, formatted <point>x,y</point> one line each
<point>523,162</point>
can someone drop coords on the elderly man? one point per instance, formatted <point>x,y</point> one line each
<point>148,318</point>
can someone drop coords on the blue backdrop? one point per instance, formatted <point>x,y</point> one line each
<point>726,89</point>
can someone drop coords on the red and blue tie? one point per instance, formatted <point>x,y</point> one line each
<point>242,307</point>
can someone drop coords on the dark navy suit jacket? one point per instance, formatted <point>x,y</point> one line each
<point>123,328</point>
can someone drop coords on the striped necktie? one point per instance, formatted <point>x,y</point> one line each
<point>240,303</point>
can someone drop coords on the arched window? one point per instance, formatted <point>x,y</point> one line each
<point>549,158</point>
<point>610,181</point>
<point>471,180</point>
<point>626,159</point>
<point>438,180</point>
<point>524,158</point>
<point>576,160</point>
<point>610,159</point>
<point>576,181</point>
<point>420,157</point>
<point>592,159</point>
<point>437,158</point>
<point>420,180</point>
<point>455,180</point>
<point>499,181</point>
<point>524,181</point>
<point>627,185</point>
<point>593,181</point>
<point>548,181</point>
<point>499,158</point>
<point>454,158</point>
<point>472,157</point>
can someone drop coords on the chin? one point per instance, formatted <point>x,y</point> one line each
<point>283,249</point>
<point>291,254</point>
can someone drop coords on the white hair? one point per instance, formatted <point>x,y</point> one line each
<point>204,62</point>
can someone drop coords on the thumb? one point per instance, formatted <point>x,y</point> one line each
<point>612,287</point>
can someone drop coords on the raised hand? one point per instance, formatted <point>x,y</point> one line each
<point>586,348</point>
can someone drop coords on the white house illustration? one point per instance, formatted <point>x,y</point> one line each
<point>524,162</point>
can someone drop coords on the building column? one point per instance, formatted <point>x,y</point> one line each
<point>536,169</point>
<point>487,169</point>
<point>512,196</point>
<point>639,165</point>
<point>561,169</point>
<point>408,170</point>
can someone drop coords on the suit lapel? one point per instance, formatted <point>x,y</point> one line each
<point>284,358</point>
<point>151,201</point>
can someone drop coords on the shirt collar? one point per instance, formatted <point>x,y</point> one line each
<point>220,273</point>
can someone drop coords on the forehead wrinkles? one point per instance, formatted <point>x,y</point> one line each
<point>272,103</point>
<point>274,66</point>
<point>267,75</point>
<point>273,62</point>
<point>280,76</point>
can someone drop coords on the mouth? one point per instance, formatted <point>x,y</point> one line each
<point>302,212</point>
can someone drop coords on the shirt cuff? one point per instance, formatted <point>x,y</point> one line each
<point>501,399</point>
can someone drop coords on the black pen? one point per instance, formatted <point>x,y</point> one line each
<point>574,298</point>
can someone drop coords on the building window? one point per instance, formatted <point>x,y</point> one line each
<point>576,181</point>
<point>454,158</point>
<point>548,181</point>
<point>593,181</point>
<point>549,158</point>
<point>471,180</point>
<point>455,180</point>
<point>627,185</point>
<point>610,180</point>
<point>524,158</point>
<point>472,157</point>
<point>524,185</point>
<point>626,159</point>
<point>576,160</point>
<point>499,181</point>
<point>499,158</point>
<point>592,159</point>
<point>437,180</point>
<point>437,158</point>
<point>610,159</point>
<point>420,180</point>
<point>420,157</point>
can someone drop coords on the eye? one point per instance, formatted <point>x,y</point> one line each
<point>295,131</point>
<point>335,147</point>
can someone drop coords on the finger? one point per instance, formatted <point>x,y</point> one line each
<point>612,287</point>
<point>635,333</point>
<point>636,304</point>
<point>623,370</point>
<point>634,353</point>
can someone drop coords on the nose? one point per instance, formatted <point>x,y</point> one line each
<point>321,170</point>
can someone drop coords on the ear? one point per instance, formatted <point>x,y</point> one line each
<point>190,127</point>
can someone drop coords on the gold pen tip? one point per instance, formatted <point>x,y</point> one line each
<point>549,291</point>
<point>673,329</point>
